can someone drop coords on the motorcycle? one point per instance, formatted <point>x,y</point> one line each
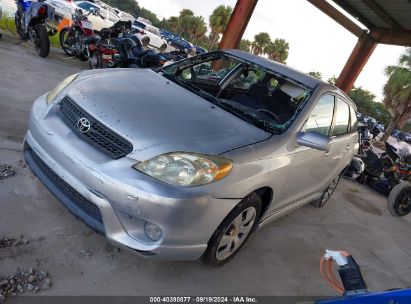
<point>384,172</point>
<point>399,200</point>
<point>32,23</point>
<point>72,39</point>
<point>119,47</point>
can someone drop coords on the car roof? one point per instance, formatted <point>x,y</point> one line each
<point>277,67</point>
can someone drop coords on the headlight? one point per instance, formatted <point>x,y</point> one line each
<point>186,169</point>
<point>53,93</point>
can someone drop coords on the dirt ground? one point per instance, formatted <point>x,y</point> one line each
<point>281,259</point>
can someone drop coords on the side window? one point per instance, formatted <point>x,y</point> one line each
<point>321,117</point>
<point>246,80</point>
<point>342,118</point>
<point>354,120</point>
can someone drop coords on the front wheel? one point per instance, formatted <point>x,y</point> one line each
<point>42,45</point>
<point>67,38</point>
<point>399,200</point>
<point>234,231</point>
<point>95,61</point>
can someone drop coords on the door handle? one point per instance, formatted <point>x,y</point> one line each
<point>326,154</point>
<point>348,147</point>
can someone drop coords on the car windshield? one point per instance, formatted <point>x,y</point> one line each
<point>259,96</point>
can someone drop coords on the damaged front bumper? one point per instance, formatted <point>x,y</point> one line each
<point>115,199</point>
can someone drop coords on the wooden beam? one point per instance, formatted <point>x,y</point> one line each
<point>238,22</point>
<point>382,13</point>
<point>394,37</point>
<point>339,17</point>
<point>356,62</point>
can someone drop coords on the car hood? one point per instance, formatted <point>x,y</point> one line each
<point>158,116</point>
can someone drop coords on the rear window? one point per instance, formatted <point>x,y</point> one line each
<point>139,24</point>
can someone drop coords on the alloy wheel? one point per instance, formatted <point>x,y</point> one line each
<point>330,190</point>
<point>236,233</point>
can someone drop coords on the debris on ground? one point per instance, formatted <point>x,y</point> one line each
<point>24,281</point>
<point>6,171</point>
<point>21,163</point>
<point>10,242</point>
<point>111,251</point>
<point>11,248</point>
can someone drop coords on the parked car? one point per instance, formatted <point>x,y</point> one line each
<point>149,35</point>
<point>192,168</point>
<point>178,42</point>
<point>104,19</point>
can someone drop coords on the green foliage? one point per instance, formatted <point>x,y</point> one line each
<point>397,92</point>
<point>332,80</point>
<point>187,25</point>
<point>366,104</point>
<point>245,45</point>
<point>7,24</point>
<point>316,74</point>
<point>132,7</point>
<point>261,40</point>
<point>218,23</point>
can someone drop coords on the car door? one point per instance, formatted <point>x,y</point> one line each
<point>343,136</point>
<point>311,169</point>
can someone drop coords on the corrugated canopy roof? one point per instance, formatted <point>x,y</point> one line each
<point>388,21</point>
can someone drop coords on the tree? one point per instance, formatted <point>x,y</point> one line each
<point>316,74</point>
<point>261,40</point>
<point>218,23</point>
<point>397,92</point>
<point>277,50</point>
<point>332,80</point>
<point>366,104</point>
<point>245,45</point>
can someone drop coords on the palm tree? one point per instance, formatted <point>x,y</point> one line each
<point>277,50</point>
<point>397,92</point>
<point>218,23</point>
<point>316,74</point>
<point>261,40</point>
<point>245,45</point>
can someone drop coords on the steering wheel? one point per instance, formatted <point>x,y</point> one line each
<point>265,111</point>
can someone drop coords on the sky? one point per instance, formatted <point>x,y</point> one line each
<point>317,42</point>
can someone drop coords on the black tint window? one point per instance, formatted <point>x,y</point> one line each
<point>342,118</point>
<point>321,117</point>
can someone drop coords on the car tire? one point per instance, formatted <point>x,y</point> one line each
<point>163,48</point>
<point>399,200</point>
<point>43,45</point>
<point>145,41</point>
<point>234,231</point>
<point>325,197</point>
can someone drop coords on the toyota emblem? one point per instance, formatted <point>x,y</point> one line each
<point>83,125</point>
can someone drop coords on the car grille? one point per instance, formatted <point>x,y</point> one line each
<point>80,201</point>
<point>99,135</point>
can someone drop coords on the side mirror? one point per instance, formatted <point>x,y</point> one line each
<point>314,140</point>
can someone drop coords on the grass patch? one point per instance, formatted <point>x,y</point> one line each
<point>7,24</point>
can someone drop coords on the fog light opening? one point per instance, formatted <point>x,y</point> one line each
<point>153,231</point>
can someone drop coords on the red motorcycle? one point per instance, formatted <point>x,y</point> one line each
<point>101,51</point>
<point>72,39</point>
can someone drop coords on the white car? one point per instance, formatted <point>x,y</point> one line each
<point>62,8</point>
<point>150,35</point>
<point>104,19</point>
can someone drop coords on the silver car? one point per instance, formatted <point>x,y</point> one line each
<point>186,162</point>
